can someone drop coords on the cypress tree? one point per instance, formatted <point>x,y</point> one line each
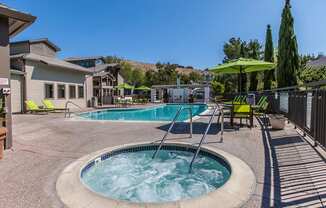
<point>288,58</point>
<point>254,48</point>
<point>268,56</point>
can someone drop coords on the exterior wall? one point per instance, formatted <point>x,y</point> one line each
<point>120,81</point>
<point>89,89</point>
<point>38,74</point>
<point>17,64</point>
<point>42,49</point>
<point>18,48</point>
<point>16,93</point>
<point>5,74</point>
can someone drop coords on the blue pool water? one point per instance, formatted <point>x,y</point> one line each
<point>136,177</point>
<point>157,113</point>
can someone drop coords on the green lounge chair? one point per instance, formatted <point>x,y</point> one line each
<point>262,110</point>
<point>236,99</point>
<point>261,100</point>
<point>33,107</point>
<point>48,104</point>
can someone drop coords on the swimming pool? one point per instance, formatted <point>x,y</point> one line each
<point>158,113</point>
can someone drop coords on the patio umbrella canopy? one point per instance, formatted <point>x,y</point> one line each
<point>125,86</point>
<point>143,88</point>
<point>241,66</point>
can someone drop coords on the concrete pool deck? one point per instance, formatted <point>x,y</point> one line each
<point>288,171</point>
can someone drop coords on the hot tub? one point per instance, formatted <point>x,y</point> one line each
<point>127,176</point>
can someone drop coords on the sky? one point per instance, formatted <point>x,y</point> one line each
<point>186,32</point>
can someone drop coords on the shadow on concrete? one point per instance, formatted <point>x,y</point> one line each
<point>295,174</point>
<point>198,128</point>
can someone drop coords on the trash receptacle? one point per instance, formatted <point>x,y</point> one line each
<point>94,102</point>
<point>3,132</point>
<point>251,99</point>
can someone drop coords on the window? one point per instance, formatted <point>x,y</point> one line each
<point>80,91</point>
<point>61,91</point>
<point>49,91</point>
<point>72,91</point>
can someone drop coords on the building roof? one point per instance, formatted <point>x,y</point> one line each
<point>18,21</point>
<point>52,62</point>
<point>320,62</point>
<point>103,73</point>
<point>40,40</point>
<point>80,58</point>
<point>103,67</point>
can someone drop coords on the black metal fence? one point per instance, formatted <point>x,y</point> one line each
<point>304,105</point>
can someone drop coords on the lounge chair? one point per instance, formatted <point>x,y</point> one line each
<point>32,107</point>
<point>49,105</point>
<point>240,99</point>
<point>236,99</point>
<point>262,110</point>
<point>261,100</point>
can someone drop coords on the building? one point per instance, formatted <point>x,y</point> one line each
<point>12,22</point>
<point>104,79</point>
<point>87,62</point>
<point>180,93</point>
<point>37,74</point>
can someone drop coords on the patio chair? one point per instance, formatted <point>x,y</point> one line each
<point>241,111</point>
<point>48,104</point>
<point>32,107</point>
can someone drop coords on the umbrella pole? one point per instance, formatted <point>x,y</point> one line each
<point>240,82</point>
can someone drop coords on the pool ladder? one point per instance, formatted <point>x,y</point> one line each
<point>67,111</point>
<point>171,127</point>
<point>217,108</point>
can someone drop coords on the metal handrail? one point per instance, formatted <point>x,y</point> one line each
<point>206,132</point>
<point>67,109</point>
<point>171,126</point>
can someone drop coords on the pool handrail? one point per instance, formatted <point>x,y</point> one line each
<point>171,126</point>
<point>221,113</point>
<point>67,109</point>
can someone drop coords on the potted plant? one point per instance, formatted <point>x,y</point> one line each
<point>277,121</point>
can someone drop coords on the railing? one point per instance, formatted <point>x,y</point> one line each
<point>206,132</point>
<point>67,111</point>
<point>304,106</point>
<point>171,126</point>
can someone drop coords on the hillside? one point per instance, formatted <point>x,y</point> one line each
<point>147,66</point>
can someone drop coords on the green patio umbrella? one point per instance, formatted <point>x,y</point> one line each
<point>241,66</point>
<point>143,88</point>
<point>125,86</point>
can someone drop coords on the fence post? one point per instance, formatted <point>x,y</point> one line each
<point>315,116</point>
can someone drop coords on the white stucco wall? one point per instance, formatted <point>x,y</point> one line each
<point>16,93</point>
<point>39,74</point>
<point>120,81</point>
<point>89,89</point>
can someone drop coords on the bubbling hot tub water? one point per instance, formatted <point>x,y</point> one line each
<point>135,177</point>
